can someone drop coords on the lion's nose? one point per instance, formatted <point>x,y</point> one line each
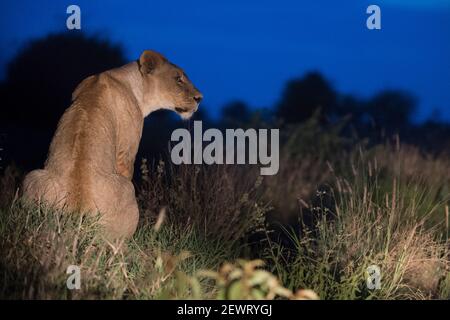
<point>198,98</point>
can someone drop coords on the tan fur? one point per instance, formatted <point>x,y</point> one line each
<point>91,157</point>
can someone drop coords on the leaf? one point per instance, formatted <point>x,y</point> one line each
<point>235,291</point>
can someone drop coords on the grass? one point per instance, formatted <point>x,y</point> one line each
<point>316,225</point>
<point>173,242</point>
<point>386,222</point>
<point>41,244</point>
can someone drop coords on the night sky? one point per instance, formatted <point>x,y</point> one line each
<point>247,50</point>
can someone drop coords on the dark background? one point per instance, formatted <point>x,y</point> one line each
<point>277,62</point>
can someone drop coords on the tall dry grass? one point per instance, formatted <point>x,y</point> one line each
<point>389,210</point>
<point>336,215</point>
<point>223,203</point>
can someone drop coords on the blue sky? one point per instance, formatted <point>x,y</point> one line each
<point>247,50</point>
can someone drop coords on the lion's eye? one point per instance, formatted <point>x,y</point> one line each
<point>179,79</point>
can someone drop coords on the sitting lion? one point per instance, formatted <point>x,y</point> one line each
<point>91,158</point>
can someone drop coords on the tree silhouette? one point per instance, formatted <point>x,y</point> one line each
<point>391,109</point>
<point>235,114</point>
<point>38,87</point>
<point>303,96</point>
<point>41,78</point>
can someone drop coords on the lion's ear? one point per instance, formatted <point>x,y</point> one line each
<point>150,60</point>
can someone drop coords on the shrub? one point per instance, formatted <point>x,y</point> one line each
<point>222,203</point>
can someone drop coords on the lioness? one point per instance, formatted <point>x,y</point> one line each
<point>91,157</point>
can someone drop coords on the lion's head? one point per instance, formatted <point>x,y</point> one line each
<point>174,89</point>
